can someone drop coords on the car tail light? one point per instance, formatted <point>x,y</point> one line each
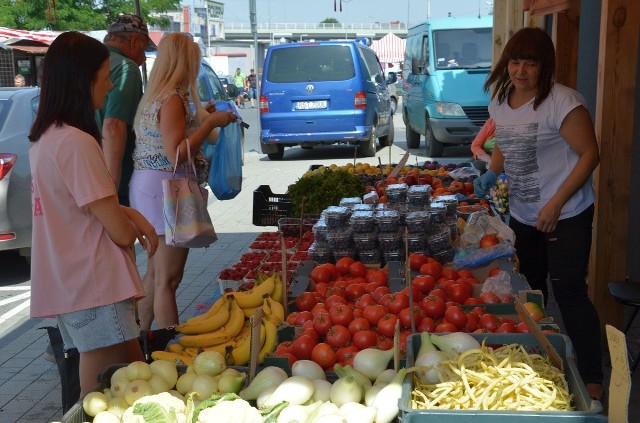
<point>10,236</point>
<point>7,160</point>
<point>264,104</point>
<point>360,100</point>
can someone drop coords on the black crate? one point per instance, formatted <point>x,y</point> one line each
<point>268,207</point>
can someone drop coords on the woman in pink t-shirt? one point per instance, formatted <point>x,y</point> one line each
<point>83,272</point>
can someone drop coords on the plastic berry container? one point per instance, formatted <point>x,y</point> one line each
<point>320,254</point>
<point>388,220</point>
<point>394,255</point>
<point>364,241</point>
<point>438,212</point>
<point>416,242</point>
<point>338,254</point>
<point>445,256</point>
<point>452,224</point>
<point>369,256</point>
<point>336,216</point>
<point>440,240</point>
<point>419,195</point>
<point>389,241</point>
<point>397,193</point>
<point>451,202</point>
<point>339,240</point>
<point>320,231</point>
<point>362,221</point>
<point>349,202</point>
<point>362,207</point>
<point>418,221</point>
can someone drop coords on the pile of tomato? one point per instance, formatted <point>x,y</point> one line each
<point>350,307</point>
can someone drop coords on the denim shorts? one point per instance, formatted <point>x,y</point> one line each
<point>99,327</point>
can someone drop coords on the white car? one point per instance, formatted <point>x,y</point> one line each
<point>18,107</point>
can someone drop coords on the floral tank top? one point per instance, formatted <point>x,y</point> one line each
<point>149,152</point>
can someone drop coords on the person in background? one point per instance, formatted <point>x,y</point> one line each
<point>546,145</point>
<point>127,39</point>
<point>239,80</point>
<point>19,81</point>
<point>83,271</point>
<point>164,121</point>
<point>251,87</point>
<point>483,143</point>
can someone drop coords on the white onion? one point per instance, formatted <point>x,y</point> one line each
<point>309,369</point>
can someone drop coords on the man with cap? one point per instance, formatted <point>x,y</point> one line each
<point>127,39</point>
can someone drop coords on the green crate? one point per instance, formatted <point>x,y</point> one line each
<point>586,409</point>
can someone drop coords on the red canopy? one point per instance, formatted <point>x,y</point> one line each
<point>390,48</point>
<point>45,37</point>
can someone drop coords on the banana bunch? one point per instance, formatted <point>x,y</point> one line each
<point>225,326</point>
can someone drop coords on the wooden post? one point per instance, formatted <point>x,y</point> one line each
<point>565,37</point>
<point>615,109</point>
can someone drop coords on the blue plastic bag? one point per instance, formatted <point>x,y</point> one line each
<point>225,158</point>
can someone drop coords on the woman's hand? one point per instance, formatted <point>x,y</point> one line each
<point>548,217</point>
<point>147,235</point>
<point>484,157</point>
<point>221,119</point>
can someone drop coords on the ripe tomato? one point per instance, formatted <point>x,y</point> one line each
<point>380,292</point>
<point>302,317</point>
<point>440,293</point>
<point>495,271</point>
<point>432,268</point>
<point>321,288</point>
<point>489,322</point>
<point>377,277</point>
<point>302,347</point>
<point>464,273</point>
<point>387,324</point>
<point>342,265</point>
<point>338,336</point>
<point>445,327</point>
<point>359,324</point>
<point>354,291</point>
<point>291,318</point>
<point>449,273</point>
<point>455,315</point>
<point>365,300</point>
<point>424,283</point>
<point>405,316</point>
<point>489,297</point>
<point>320,274</point>
<point>433,306</point>
<point>507,327</point>
<point>283,347</point>
<point>333,300</point>
<point>460,292</point>
<point>341,314</point>
<point>488,241</point>
<point>472,301</point>
<point>384,342</point>
<point>522,328</point>
<point>374,312</point>
<point>472,322</point>
<point>399,300</point>
<point>324,355</point>
<point>364,339</point>
<point>479,311</point>
<point>385,299</point>
<point>322,323</point>
<point>357,269</point>
<point>427,324</point>
<point>348,352</point>
<point>312,333</point>
<point>318,308</point>
<point>305,301</point>
<point>416,260</point>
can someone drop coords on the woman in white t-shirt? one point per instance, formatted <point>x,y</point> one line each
<point>82,268</point>
<point>546,145</point>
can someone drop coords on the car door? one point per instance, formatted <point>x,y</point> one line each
<point>375,84</point>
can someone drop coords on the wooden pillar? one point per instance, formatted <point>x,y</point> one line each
<point>615,108</point>
<point>565,34</point>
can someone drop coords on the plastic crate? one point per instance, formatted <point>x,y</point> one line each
<point>76,414</point>
<point>586,409</point>
<point>268,207</point>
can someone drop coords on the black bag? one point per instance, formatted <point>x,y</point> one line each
<point>68,363</point>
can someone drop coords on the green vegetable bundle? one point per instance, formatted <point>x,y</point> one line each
<point>321,190</point>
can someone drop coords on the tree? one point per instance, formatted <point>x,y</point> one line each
<point>79,15</point>
<point>330,21</point>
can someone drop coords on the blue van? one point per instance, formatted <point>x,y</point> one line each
<point>327,92</point>
<point>447,62</point>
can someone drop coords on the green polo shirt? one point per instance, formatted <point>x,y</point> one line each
<point>121,103</point>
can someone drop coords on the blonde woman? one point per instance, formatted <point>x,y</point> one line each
<point>164,121</point>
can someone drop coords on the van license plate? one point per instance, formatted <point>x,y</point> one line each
<point>311,105</point>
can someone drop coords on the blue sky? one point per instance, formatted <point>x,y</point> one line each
<point>353,11</point>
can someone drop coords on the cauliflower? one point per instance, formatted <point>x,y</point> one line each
<point>159,408</point>
<point>236,411</point>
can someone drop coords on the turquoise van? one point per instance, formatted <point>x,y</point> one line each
<point>447,62</point>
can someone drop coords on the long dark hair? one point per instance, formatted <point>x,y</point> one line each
<point>526,44</point>
<point>70,67</point>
